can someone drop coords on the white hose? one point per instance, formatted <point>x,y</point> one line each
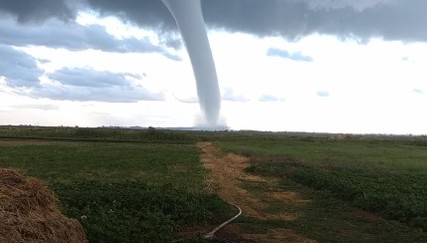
<point>209,184</point>
<point>211,234</point>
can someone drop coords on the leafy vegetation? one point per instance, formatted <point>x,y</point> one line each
<point>134,185</point>
<point>326,218</point>
<point>132,211</point>
<point>383,176</point>
<point>133,191</point>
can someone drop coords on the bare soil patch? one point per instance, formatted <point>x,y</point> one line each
<point>291,197</point>
<point>276,235</point>
<point>226,174</point>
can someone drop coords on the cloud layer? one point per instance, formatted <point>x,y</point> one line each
<point>21,72</point>
<point>51,23</point>
<point>38,11</point>
<point>390,19</point>
<point>52,28</point>
<point>72,36</point>
<point>84,84</point>
<point>18,68</point>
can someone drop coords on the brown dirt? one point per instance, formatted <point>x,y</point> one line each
<point>276,235</point>
<point>29,212</point>
<point>226,174</point>
<point>290,197</point>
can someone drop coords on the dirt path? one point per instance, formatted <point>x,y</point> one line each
<point>227,174</point>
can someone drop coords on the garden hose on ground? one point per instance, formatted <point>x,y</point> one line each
<point>209,184</point>
<point>211,234</point>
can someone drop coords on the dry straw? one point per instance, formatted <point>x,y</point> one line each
<point>29,212</point>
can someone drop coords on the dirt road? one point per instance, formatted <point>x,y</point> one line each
<point>227,175</point>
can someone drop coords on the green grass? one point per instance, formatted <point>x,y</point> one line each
<point>96,134</point>
<point>128,185</point>
<point>128,191</point>
<point>132,211</point>
<point>385,176</point>
<point>389,154</point>
<point>325,217</point>
<point>68,161</point>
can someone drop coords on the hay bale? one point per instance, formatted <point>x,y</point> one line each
<point>29,212</point>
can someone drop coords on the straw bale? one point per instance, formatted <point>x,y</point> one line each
<point>29,212</point>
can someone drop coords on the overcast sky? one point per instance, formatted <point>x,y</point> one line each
<point>352,66</point>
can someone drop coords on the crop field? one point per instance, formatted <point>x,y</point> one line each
<point>149,185</point>
<point>129,191</point>
<point>386,176</point>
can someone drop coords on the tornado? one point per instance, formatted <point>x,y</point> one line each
<point>189,19</point>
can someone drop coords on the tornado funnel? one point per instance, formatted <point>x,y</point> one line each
<point>188,16</point>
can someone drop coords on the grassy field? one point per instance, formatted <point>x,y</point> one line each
<point>383,175</point>
<point>145,188</point>
<point>129,185</point>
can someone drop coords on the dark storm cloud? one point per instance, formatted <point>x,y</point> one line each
<point>18,68</point>
<point>394,19</point>
<point>391,19</point>
<point>151,14</point>
<point>147,13</point>
<point>56,34</point>
<point>296,56</point>
<point>36,11</point>
<point>86,84</point>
